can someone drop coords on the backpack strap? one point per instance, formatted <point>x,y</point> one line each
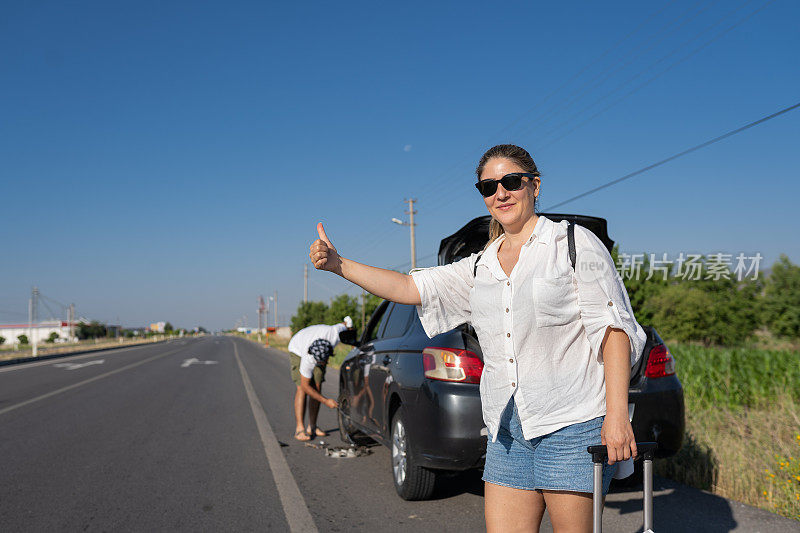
<point>475,269</point>
<point>571,243</point>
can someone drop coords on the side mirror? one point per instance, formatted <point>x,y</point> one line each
<point>348,336</point>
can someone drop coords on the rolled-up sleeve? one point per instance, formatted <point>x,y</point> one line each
<point>444,295</point>
<point>602,297</point>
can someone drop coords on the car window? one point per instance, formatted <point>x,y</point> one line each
<point>398,321</point>
<point>376,322</point>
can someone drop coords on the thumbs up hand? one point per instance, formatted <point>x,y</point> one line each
<point>323,254</point>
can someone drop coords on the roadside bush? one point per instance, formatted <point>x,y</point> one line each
<point>52,338</point>
<point>2,340</point>
<point>680,312</point>
<point>308,313</point>
<point>642,290</point>
<point>782,298</point>
<point>23,339</point>
<point>711,311</point>
<point>91,330</point>
<point>342,306</point>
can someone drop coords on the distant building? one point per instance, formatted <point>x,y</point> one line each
<point>39,332</point>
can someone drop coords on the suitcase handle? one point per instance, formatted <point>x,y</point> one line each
<point>646,451</point>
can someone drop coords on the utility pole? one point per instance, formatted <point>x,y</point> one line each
<point>411,225</point>
<point>363,311</point>
<point>261,323</point>
<point>33,318</point>
<point>305,283</point>
<point>275,310</point>
<point>71,321</point>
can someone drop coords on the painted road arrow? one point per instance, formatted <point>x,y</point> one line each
<point>195,361</point>
<point>75,366</point>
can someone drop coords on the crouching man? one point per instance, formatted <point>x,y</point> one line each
<point>310,348</point>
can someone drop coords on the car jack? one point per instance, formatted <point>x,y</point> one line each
<point>340,451</point>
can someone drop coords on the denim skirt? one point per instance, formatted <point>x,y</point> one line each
<point>556,461</point>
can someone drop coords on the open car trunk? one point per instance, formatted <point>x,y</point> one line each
<point>475,234</point>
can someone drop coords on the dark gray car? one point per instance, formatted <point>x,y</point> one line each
<point>420,396</point>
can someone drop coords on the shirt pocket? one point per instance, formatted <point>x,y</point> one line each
<point>554,301</point>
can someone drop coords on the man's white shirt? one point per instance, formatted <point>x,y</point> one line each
<point>303,339</point>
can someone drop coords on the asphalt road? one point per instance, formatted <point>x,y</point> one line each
<point>159,437</point>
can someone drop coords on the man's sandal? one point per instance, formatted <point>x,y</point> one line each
<point>318,432</point>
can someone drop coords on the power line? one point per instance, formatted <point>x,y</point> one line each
<point>678,155</point>
<point>446,183</point>
<point>590,85</point>
<point>589,65</point>
<point>651,79</point>
<point>408,263</point>
<point>440,185</point>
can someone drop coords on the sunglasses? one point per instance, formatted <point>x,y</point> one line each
<point>510,182</point>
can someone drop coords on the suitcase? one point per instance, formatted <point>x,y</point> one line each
<point>599,453</point>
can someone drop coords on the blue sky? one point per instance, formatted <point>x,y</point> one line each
<point>169,161</point>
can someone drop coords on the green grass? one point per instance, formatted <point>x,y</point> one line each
<point>742,425</point>
<point>737,377</point>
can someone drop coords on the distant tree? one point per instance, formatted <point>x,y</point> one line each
<point>168,328</point>
<point>640,289</point>
<point>23,339</point>
<point>342,306</point>
<point>92,330</point>
<point>201,329</point>
<point>681,312</point>
<point>308,313</point>
<point>782,298</point>
<point>52,338</point>
<point>712,311</point>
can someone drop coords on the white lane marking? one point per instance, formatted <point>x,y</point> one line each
<point>196,361</point>
<point>23,366</point>
<point>76,366</point>
<point>85,382</point>
<point>294,505</point>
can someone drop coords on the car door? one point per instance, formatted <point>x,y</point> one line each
<point>386,352</point>
<point>361,403</point>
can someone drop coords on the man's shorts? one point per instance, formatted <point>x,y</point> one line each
<point>318,375</point>
<point>556,461</point>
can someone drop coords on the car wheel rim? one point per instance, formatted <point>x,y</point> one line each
<point>399,453</point>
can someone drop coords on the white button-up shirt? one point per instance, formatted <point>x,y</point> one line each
<point>540,329</point>
<point>303,339</point>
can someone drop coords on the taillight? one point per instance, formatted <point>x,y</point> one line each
<point>449,364</point>
<point>660,363</point>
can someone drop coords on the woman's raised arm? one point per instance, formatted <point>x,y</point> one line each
<point>386,284</point>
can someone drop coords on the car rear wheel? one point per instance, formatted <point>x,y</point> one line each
<point>412,482</point>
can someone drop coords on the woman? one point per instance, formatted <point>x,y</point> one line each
<point>558,345</point>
